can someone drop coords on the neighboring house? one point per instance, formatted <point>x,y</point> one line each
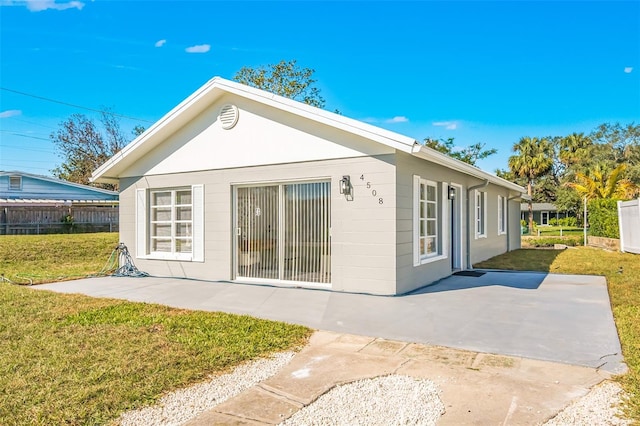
<point>31,204</point>
<point>542,213</point>
<point>239,184</point>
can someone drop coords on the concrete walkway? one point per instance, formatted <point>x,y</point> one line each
<point>477,388</point>
<point>559,318</point>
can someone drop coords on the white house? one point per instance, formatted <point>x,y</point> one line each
<point>239,184</point>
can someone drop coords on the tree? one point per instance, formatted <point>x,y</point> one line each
<point>137,130</point>
<point>624,140</point>
<point>285,79</point>
<point>573,149</point>
<point>600,183</point>
<point>534,158</point>
<point>84,147</point>
<point>470,154</point>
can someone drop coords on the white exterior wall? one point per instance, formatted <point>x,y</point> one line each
<point>410,277</point>
<point>514,225</point>
<point>363,229</point>
<point>263,135</point>
<point>372,243</point>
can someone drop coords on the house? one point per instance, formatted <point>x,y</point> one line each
<point>239,184</point>
<point>34,204</point>
<point>542,213</point>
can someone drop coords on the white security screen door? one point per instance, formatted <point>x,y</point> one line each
<point>283,232</point>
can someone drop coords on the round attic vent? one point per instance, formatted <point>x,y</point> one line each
<point>228,116</point>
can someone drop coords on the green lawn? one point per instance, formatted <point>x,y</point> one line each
<point>47,258</point>
<point>622,271</point>
<point>72,359</point>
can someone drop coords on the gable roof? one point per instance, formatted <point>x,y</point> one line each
<point>539,207</point>
<point>217,87</point>
<point>104,193</point>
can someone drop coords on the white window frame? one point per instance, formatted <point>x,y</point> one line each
<point>12,186</point>
<point>502,215</point>
<point>441,210</point>
<point>542,215</point>
<point>480,214</point>
<point>143,224</point>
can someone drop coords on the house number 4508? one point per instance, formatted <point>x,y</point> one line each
<point>373,191</point>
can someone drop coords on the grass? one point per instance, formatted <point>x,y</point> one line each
<point>47,258</point>
<point>75,360</point>
<point>622,271</point>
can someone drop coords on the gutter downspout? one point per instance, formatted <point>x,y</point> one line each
<point>472,188</point>
<point>515,197</point>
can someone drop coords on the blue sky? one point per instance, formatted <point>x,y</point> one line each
<point>478,71</point>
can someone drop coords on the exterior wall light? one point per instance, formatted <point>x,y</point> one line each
<point>345,186</point>
<point>452,193</point>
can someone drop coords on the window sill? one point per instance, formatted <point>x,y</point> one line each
<point>187,257</point>
<point>502,233</point>
<point>481,236</point>
<point>432,259</point>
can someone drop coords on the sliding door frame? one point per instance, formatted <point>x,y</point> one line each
<point>282,223</point>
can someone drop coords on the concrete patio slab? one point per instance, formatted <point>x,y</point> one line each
<point>560,318</point>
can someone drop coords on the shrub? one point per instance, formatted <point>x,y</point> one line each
<point>603,218</point>
<point>565,222</point>
<point>568,222</point>
<point>571,241</point>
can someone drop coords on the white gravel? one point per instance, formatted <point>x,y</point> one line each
<point>185,404</point>
<point>599,407</point>
<point>387,400</point>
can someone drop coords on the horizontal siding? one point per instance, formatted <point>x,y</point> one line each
<point>33,188</point>
<point>363,230</point>
<point>410,277</point>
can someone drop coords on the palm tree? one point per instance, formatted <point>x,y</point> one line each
<point>533,158</point>
<point>574,148</point>
<point>600,183</point>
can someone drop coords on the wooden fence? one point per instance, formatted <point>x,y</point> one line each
<point>58,219</point>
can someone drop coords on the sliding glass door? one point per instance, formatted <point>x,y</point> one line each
<point>283,232</point>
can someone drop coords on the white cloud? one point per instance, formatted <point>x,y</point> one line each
<point>628,70</point>
<point>449,125</point>
<point>40,5</point>
<point>397,119</point>
<point>160,43</point>
<point>198,48</point>
<point>10,113</point>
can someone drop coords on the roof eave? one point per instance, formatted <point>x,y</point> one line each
<point>434,156</point>
<point>155,133</point>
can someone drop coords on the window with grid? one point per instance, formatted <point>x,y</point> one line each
<point>428,219</point>
<point>171,221</point>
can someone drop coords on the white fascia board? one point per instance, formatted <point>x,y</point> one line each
<point>206,95</point>
<point>147,140</point>
<point>434,156</point>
